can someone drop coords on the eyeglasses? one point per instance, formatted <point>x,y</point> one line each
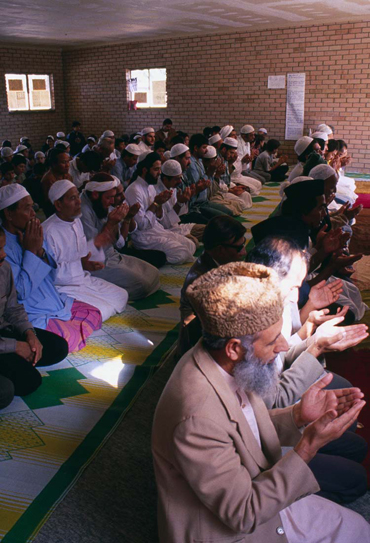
<point>238,248</point>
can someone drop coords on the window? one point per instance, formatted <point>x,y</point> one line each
<point>28,92</point>
<point>147,87</point>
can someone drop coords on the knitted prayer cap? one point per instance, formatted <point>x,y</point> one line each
<point>237,299</point>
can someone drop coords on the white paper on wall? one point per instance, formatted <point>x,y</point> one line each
<point>294,122</point>
<point>276,82</point>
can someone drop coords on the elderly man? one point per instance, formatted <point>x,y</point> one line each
<point>22,348</point>
<point>150,233</point>
<point>137,277</point>
<point>125,165</point>
<point>75,258</point>
<point>105,148</point>
<point>59,169</point>
<point>34,272</point>
<point>217,449</point>
<point>148,139</point>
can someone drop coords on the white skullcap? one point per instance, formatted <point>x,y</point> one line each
<point>137,136</point>
<point>226,130</point>
<point>91,138</point>
<point>7,151</point>
<point>59,188</point>
<point>10,194</point>
<point>324,128</point>
<point>214,139</point>
<point>167,155</point>
<point>211,152</point>
<point>21,148</point>
<point>179,149</point>
<point>320,135</point>
<point>144,155</point>
<point>102,186</point>
<point>61,142</point>
<point>262,130</point>
<point>171,168</point>
<point>24,138</point>
<point>50,137</point>
<point>60,135</point>
<point>147,130</point>
<point>107,134</point>
<point>247,129</point>
<point>322,171</point>
<point>39,154</point>
<point>231,142</point>
<point>133,149</point>
<point>302,144</point>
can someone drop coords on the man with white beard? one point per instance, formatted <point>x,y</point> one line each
<point>217,450</point>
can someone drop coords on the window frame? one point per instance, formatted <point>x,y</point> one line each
<point>130,74</point>
<point>27,78</point>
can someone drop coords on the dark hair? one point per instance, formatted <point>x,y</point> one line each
<point>342,144</point>
<point>321,142</point>
<point>167,121</point>
<point>182,134</point>
<point>101,177</point>
<point>118,141</point>
<point>272,145</point>
<point>61,146</point>
<point>207,132</point>
<point>76,123</point>
<point>197,140</point>
<point>2,231</point>
<point>6,167</point>
<point>6,143</point>
<point>12,207</point>
<point>19,159</point>
<point>148,162</point>
<point>222,229</point>
<point>303,203</point>
<point>125,138</point>
<point>39,169</point>
<point>159,145</point>
<point>276,253</point>
<point>54,153</point>
<point>177,139</point>
<point>333,145</point>
<point>216,129</point>
<point>258,139</point>
<point>92,160</point>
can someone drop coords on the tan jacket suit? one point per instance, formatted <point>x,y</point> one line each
<point>215,484</point>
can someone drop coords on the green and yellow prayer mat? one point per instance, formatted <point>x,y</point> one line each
<point>49,437</point>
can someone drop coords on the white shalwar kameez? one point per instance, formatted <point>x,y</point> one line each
<point>346,188</point>
<point>78,178</point>
<point>297,171</point>
<point>239,178</point>
<point>311,519</point>
<point>150,234</point>
<point>144,147</point>
<point>171,220</point>
<point>67,244</point>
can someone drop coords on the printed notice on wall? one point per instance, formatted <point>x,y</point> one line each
<point>276,82</point>
<point>294,121</point>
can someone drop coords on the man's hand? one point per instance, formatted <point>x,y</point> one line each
<point>105,238</point>
<point>329,337</point>
<point>108,164</point>
<point>91,265</point>
<point>330,242</point>
<point>202,185</point>
<point>134,209</point>
<point>330,426</point>
<point>32,238</point>
<point>163,197</point>
<point>352,212</point>
<point>35,346</point>
<point>184,196</point>
<point>318,317</point>
<point>340,262</point>
<point>324,294</point>
<point>24,350</point>
<point>247,158</point>
<point>237,191</point>
<point>118,214</point>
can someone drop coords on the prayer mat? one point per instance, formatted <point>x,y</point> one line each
<point>363,199</point>
<point>49,437</point>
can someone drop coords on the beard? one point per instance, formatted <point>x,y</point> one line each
<point>100,212</point>
<point>252,375</point>
<point>150,179</point>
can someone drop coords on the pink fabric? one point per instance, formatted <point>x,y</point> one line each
<point>363,199</point>
<point>84,320</point>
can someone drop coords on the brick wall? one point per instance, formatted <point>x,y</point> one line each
<point>35,125</point>
<point>219,79</point>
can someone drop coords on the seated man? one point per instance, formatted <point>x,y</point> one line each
<point>265,168</point>
<point>34,272</point>
<point>170,179</point>
<point>125,165</point>
<point>75,258</point>
<point>83,166</point>
<point>137,277</point>
<point>20,165</point>
<point>22,347</point>
<point>150,233</point>
<point>147,139</point>
<point>217,449</point>
<point>59,169</point>
<point>166,133</point>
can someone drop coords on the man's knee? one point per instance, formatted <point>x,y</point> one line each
<point>28,382</point>
<point>6,392</point>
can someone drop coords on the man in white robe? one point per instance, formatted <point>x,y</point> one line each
<point>83,166</point>
<point>74,256</point>
<point>148,139</point>
<point>150,233</point>
<point>139,278</point>
<point>302,148</point>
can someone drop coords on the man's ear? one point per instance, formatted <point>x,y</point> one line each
<point>234,350</point>
<point>57,205</point>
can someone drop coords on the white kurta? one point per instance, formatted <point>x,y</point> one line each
<point>312,519</point>
<point>144,147</point>
<point>238,178</point>
<point>297,171</point>
<point>150,234</point>
<point>346,188</point>
<point>67,244</point>
<point>78,177</point>
<point>171,220</point>
<point>244,148</point>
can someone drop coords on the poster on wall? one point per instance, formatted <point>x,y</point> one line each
<point>294,121</point>
<point>276,82</point>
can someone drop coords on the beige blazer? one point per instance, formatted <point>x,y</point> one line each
<point>215,484</point>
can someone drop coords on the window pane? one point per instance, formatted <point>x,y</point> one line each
<point>148,87</point>
<point>16,89</point>
<point>39,90</point>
